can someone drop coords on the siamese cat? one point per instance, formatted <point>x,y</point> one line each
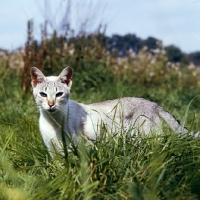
<point>59,113</point>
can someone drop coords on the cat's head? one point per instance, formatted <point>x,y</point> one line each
<point>51,93</point>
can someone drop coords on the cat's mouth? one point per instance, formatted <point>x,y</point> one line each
<point>52,110</point>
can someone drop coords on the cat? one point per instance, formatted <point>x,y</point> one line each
<point>125,115</point>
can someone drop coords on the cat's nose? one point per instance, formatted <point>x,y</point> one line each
<point>51,103</point>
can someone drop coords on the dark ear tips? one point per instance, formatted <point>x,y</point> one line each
<point>37,76</point>
<point>66,76</point>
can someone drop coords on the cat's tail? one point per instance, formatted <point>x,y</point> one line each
<point>175,124</point>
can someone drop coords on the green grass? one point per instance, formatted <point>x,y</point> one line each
<point>153,167</point>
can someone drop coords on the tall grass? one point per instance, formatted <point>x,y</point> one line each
<point>118,167</point>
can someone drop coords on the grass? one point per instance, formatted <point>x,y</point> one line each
<point>151,167</point>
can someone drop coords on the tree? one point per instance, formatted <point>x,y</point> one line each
<point>176,55</point>
<point>195,57</point>
<point>151,43</point>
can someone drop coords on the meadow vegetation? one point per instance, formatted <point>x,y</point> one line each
<point>153,167</point>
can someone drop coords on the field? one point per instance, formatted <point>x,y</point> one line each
<point>153,167</point>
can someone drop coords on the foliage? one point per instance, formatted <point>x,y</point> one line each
<point>52,55</point>
<point>195,57</point>
<point>95,59</point>
<point>176,55</point>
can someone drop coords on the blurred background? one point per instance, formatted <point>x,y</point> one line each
<point>172,22</point>
<point>138,42</point>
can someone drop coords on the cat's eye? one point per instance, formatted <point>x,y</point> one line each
<point>59,94</point>
<point>42,94</point>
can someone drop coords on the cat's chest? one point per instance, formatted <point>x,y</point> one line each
<point>49,128</point>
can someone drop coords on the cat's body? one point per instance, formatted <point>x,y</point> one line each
<point>126,115</point>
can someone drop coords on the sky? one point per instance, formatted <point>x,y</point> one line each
<point>174,22</point>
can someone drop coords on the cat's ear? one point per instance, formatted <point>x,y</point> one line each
<point>66,76</point>
<point>37,76</point>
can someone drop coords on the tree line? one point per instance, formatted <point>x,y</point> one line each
<point>130,41</point>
